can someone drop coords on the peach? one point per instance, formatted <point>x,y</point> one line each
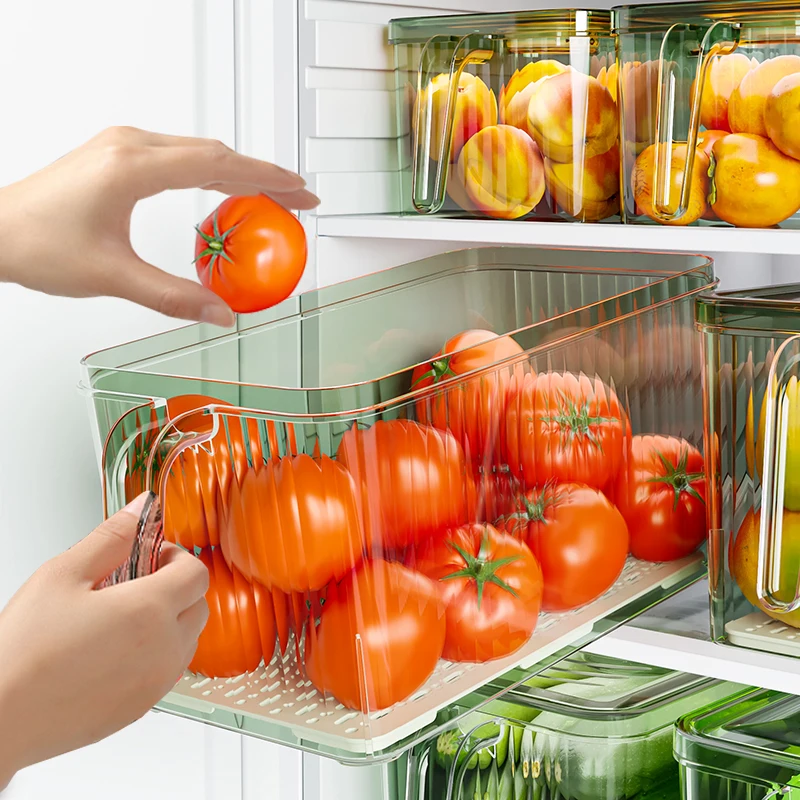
<point>639,88</point>
<point>588,191</point>
<point>782,115</point>
<point>608,77</point>
<point>475,108</point>
<point>746,106</point>
<point>723,75</point>
<point>516,94</point>
<point>572,117</point>
<point>502,172</point>
<point>643,178</point>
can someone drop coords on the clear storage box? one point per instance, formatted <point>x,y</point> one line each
<point>709,113</point>
<point>750,361</point>
<point>508,115</point>
<point>741,748</point>
<point>383,479</point>
<point>590,728</point>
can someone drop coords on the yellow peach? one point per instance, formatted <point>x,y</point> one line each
<point>588,191</point>
<point>643,179</point>
<point>782,115</point>
<point>746,106</point>
<point>502,172</point>
<point>521,80</point>
<point>572,116</point>
<point>723,75</point>
<point>475,108</point>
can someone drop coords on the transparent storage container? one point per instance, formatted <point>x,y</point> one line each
<point>333,487</point>
<point>750,357</point>
<point>508,115</point>
<point>590,728</point>
<point>742,748</point>
<point>726,154</point>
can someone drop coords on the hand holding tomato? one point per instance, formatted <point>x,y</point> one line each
<point>66,228</point>
<point>491,585</point>
<point>579,538</point>
<point>661,492</point>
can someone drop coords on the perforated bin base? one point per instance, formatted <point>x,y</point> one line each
<point>760,632</point>
<point>296,705</point>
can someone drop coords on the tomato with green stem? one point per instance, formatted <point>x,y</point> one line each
<point>251,252</point>
<point>565,427</point>
<point>579,538</point>
<point>661,492</point>
<point>472,408</point>
<point>492,586</point>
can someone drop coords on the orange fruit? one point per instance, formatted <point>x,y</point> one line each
<point>748,99</point>
<point>782,115</point>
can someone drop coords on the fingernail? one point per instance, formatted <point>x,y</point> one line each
<point>216,314</point>
<point>136,506</point>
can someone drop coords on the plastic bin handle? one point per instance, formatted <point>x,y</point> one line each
<point>665,113</point>
<point>782,372</point>
<point>423,128</point>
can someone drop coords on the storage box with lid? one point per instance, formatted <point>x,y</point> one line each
<point>355,478</point>
<point>590,728</point>
<point>511,116</point>
<point>741,748</point>
<point>750,360</point>
<point>709,113</point>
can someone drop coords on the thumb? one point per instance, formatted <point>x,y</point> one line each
<point>149,286</point>
<point>96,556</point>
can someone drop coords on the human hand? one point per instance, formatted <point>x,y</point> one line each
<point>66,229</point>
<point>76,663</point>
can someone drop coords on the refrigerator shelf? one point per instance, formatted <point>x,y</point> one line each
<point>278,693</point>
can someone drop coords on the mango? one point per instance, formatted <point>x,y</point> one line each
<point>476,107</point>
<point>642,183</point>
<point>754,184</point>
<point>782,115</point>
<point>502,172</point>
<point>572,116</point>
<point>749,98</point>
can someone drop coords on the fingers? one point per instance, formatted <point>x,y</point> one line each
<point>186,167</point>
<point>94,558</point>
<point>181,579</point>
<point>301,200</point>
<point>146,285</point>
<point>193,620</point>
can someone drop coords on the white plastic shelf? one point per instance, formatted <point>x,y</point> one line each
<point>675,635</point>
<point>707,239</point>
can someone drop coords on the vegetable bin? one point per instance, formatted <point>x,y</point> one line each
<point>752,448</point>
<point>744,747</point>
<point>588,729</point>
<point>386,479</point>
<point>710,119</point>
<point>508,115</point>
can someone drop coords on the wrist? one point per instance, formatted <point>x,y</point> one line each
<point>11,758</point>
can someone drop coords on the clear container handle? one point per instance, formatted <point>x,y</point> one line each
<point>665,112</point>
<point>456,773</point>
<point>781,371</point>
<point>419,165</point>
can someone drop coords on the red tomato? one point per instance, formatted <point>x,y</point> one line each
<point>293,524</point>
<point>471,410</point>
<point>412,478</point>
<point>579,538</point>
<point>563,427</point>
<point>241,623</point>
<point>491,494</point>
<point>251,252</point>
<point>661,492</point>
<point>400,624</point>
<point>200,472</point>
<point>492,586</point>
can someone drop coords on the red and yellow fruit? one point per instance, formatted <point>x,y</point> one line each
<point>723,75</point>
<point>782,115</point>
<point>749,98</point>
<point>515,96</point>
